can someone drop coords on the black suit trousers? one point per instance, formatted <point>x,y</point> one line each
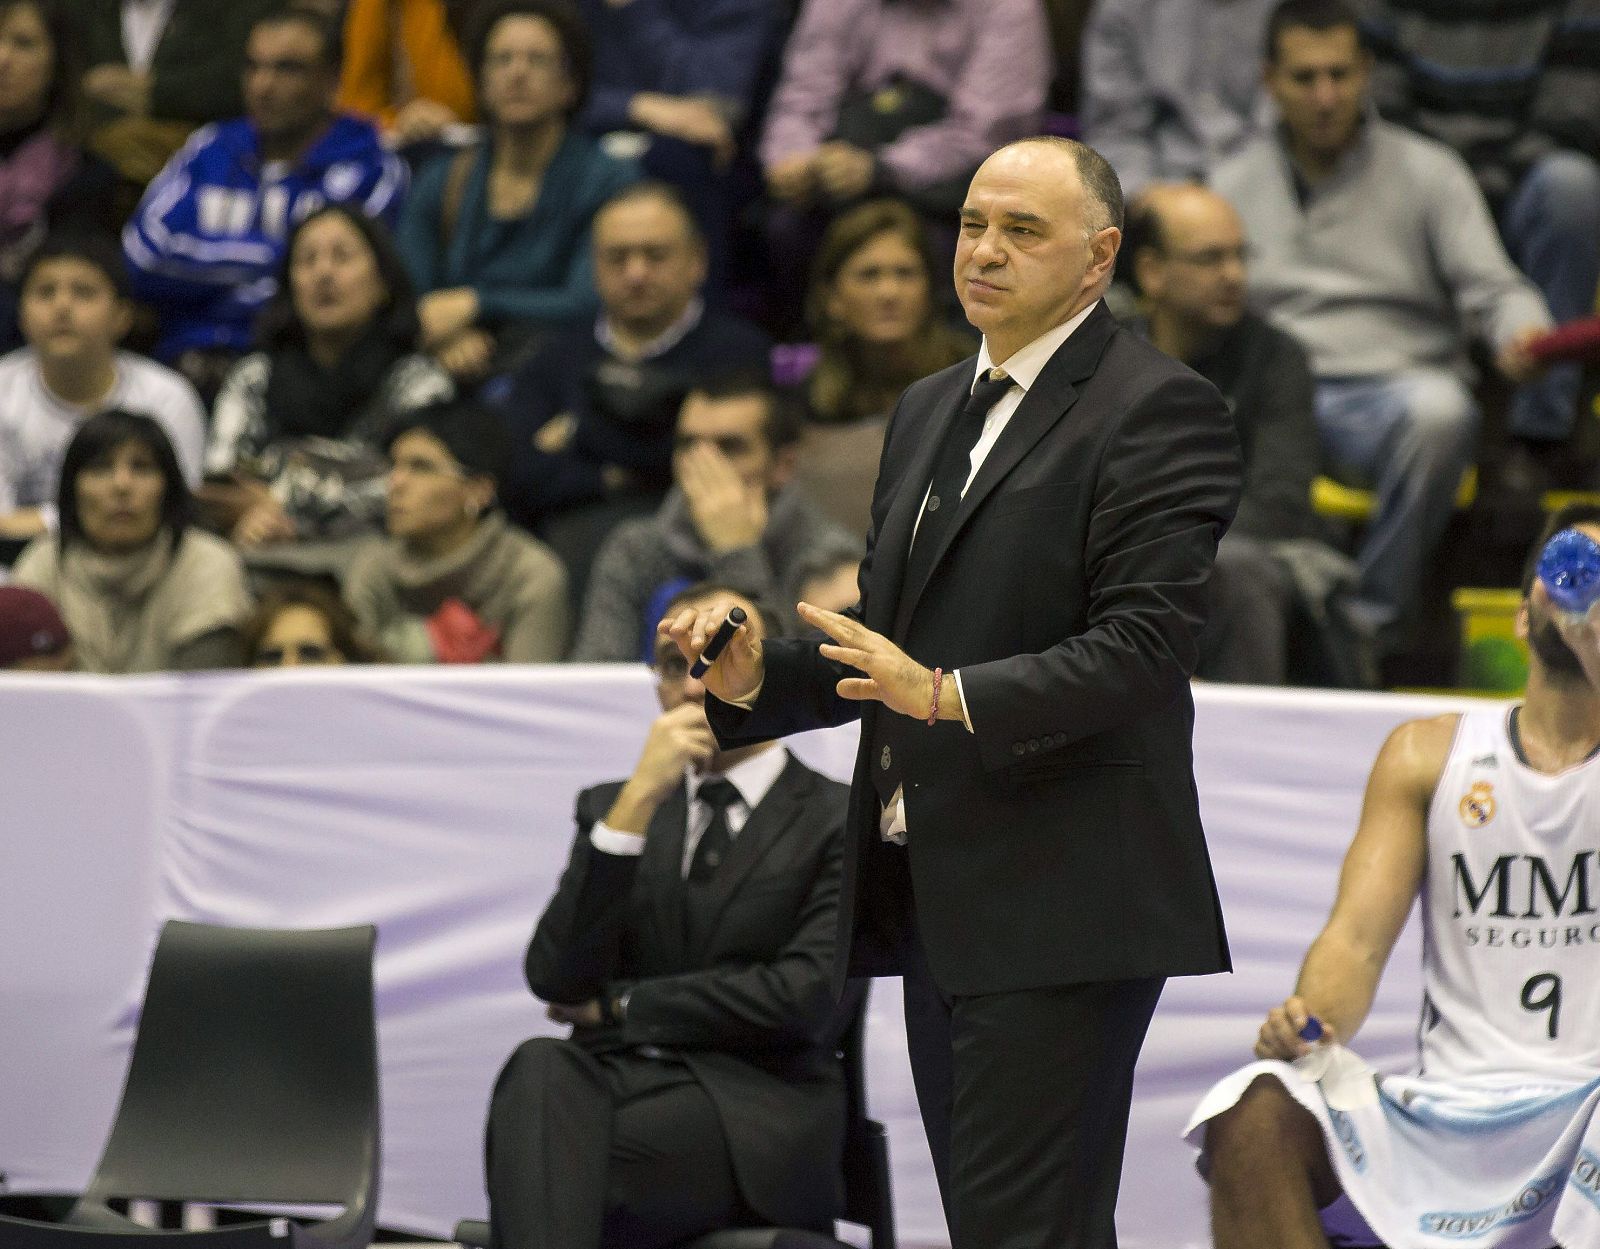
<point>1025,1098</point>
<point>615,1150</point>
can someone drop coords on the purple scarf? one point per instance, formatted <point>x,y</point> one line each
<point>33,174</point>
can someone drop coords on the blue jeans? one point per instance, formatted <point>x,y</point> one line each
<point>1552,229</point>
<point>1408,437</point>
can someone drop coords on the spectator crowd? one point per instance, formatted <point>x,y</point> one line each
<point>455,331</point>
<point>478,331</point>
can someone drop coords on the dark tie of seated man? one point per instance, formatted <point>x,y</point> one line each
<point>690,945</point>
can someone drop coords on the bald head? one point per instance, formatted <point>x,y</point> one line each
<point>1166,208</point>
<point>1187,248</point>
<point>1100,186</point>
<point>1036,244</point>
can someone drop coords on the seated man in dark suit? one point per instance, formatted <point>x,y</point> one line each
<point>690,944</point>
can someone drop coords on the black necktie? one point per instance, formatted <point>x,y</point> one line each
<point>950,473</point>
<point>719,795</point>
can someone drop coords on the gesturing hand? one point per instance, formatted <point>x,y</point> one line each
<point>892,677</point>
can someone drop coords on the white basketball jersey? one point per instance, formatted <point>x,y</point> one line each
<point>1511,914</point>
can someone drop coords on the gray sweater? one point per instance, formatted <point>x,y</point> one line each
<point>645,561</point>
<point>1391,264</point>
<point>1171,87</point>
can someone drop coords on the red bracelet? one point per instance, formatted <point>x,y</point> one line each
<point>933,711</point>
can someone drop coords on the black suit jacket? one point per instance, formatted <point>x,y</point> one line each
<point>746,1006</point>
<point>1059,842</point>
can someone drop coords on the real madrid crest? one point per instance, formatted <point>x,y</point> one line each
<point>1478,807</point>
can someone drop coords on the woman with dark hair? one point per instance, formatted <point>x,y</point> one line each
<point>453,582</point>
<point>47,180</point>
<point>497,236</point>
<point>297,425</point>
<point>878,329</point>
<point>871,308</point>
<point>140,590</point>
<point>303,624</point>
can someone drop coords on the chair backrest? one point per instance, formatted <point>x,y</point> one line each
<point>254,1075</point>
<point>868,1199</point>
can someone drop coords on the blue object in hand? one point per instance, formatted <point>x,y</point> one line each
<point>1312,1029</point>
<point>1569,566</point>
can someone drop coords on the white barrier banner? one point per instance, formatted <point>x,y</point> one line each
<point>438,805</point>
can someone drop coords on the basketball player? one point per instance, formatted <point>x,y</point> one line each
<point>1492,816</point>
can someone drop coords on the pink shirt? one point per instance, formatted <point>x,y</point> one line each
<point>989,58</point>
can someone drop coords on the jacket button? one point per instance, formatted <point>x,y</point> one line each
<point>1061,739</point>
<point>1033,743</point>
<point>1017,748</point>
<point>885,759</point>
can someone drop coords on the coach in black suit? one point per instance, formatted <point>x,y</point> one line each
<point>1031,858</point>
<point>690,942</point>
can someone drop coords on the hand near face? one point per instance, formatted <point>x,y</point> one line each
<point>678,739</point>
<point>728,512</point>
<point>844,171</point>
<point>737,672</point>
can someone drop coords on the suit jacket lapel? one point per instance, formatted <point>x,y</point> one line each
<point>767,821</point>
<point>893,545</point>
<point>1047,400</point>
<point>663,869</point>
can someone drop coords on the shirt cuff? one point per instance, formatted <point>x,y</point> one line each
<point>50,516</point>
<point>749,700</point>
<point>608,840</point>
<point>966,716</point>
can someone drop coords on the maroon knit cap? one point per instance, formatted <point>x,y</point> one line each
<point>29,625</point>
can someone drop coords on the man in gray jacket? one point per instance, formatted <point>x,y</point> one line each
<point>732,516</point>
<point>1373,246</point>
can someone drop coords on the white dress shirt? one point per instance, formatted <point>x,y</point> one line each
<point>1023,368</point>
<point>752,777</point>
<point>143,24</point>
